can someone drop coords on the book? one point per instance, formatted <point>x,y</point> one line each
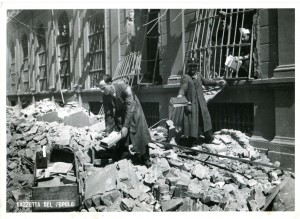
<point>111,139</point>
<point>179,101</point>
<point>233,63</point>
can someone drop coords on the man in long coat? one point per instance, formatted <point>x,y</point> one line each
<point>196,117</point>
<point>123,112</point>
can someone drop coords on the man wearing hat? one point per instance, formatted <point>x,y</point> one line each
<point>124,113</point>
<point>196,117</point>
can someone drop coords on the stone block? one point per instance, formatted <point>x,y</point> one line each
<point>92,209</point>
<point>215,208</point>
<point>144,206</point>
<point>172,180</point>
<point>149,179</point>
<point>96,200</point>
<point>100,208</point>
<point>210,197</point>
<point>187,167</point>
<point>257,195</point>
<point>12,166</point>
<point>181,189</point>
<point>134,193</point>
<point>33,130</point>
<point>252,182</point>
<point>238,179</point>
<point>200,171</point>
<point>163,165</point>
<point>10,205</point>
<point>194,188</point>
<point>171,205</point>
<point>88,203</point>
<point>175,163</point>
<point>109,198</point>
<point>127,204</point>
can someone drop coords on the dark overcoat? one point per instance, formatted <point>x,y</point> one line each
<point>124,110</point>
<point>196,117</point>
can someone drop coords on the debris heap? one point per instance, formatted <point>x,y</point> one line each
<point>178,180</point>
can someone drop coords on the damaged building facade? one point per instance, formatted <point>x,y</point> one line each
<point>62,54</point>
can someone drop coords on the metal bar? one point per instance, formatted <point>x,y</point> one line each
<point>195,29</point>
<point>234,38</point>
<point>216,43</point>
<point>228,39</point>
<point>251,51</point>
<point>224,156</point>
<point>212,164</point>
<point>208,43</point>
<point>202,29</point>
<point>220,63</point>
<point>243,17</point>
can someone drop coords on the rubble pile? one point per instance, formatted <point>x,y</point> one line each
<point>178,180</point>
<point>26,136</point>
<point>176,184</point>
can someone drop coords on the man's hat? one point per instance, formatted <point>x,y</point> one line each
<point>193,61</point>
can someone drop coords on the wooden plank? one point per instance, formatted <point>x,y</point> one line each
<point>52,198</point>
<point>275,192</point>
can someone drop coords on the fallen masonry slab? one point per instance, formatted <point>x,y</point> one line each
<point>171,205</point>
<point>49,117</point>
<point>79,119</point>
<point>103,180</point>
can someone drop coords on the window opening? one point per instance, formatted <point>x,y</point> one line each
<point>42,57</point>
<point>64,50</point>
<point>96,47</point>
<point>25,65</point>
<point>224,42</point>
<point>12,66</point>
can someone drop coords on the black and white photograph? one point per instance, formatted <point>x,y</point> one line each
<point>149,109</point>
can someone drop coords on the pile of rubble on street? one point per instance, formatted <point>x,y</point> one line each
<point>178,180</point>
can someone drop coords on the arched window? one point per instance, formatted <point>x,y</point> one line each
<point>96,46</point>
<point>64,50</point>
<point>42,57</point>
<point>25,66</point>
<point>12,69</point>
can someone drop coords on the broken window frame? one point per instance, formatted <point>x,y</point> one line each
<point>204,48</point>
<point>96,38</point>
<point>12,69</point>
<point>64,51</point>
<point>25,64</point>
<point>42,58</point>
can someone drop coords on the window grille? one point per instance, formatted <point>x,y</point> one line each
<point>151,111</point>
<point>96,47</point>
<point>42,57</point>
<point>12,66</point>
<point>64,50</point>
<point>217,35</point>
<point>25,65</point>
<point>237,116</point>
<point>128,68</point>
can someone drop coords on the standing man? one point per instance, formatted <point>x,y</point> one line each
<point>123,112</point>
<point>196,117</point>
